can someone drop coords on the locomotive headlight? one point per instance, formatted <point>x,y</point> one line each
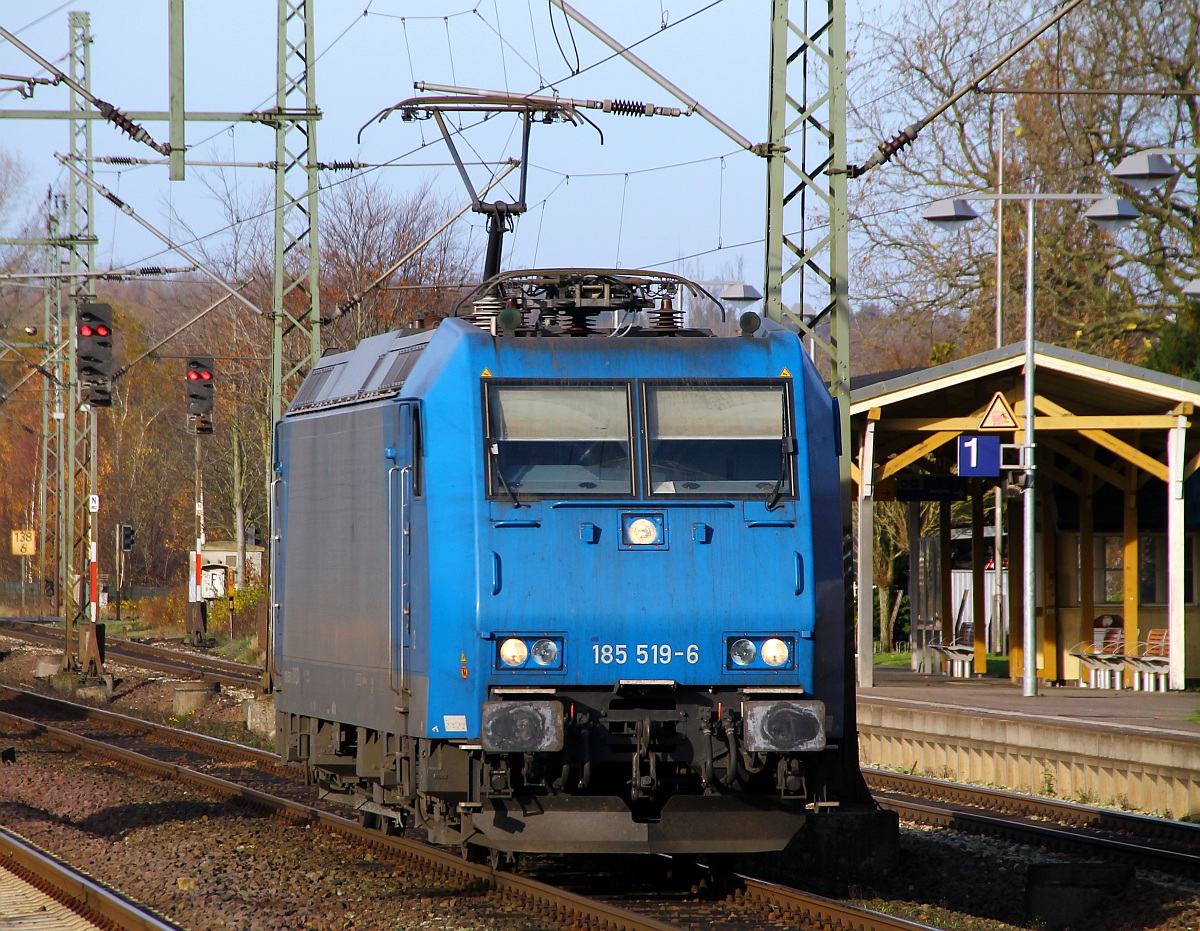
<point>513,652</point>
<point>642,532</point>
<point>774,652</point>
<point>742,652</point>
<point>545,652</point>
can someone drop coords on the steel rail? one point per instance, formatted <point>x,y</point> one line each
<point>159,659</point>
<point>1051,835</point>
<point>88,899</point>
<point>822,912</point>
<point>1183,833</point>
<point>1054,836</point>
<point>201,743</point>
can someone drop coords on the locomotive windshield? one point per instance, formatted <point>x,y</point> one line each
<point>558,440</point>
<point>698,439</point>
<point>718,439</point>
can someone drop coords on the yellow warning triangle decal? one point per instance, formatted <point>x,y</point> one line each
<point>486,373</point>
<point>463,658</point>
<point>784,373</point>
<point>999,415</point>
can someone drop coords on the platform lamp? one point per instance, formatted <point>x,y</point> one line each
<point>1143,171</point>
<point>1110,213</point>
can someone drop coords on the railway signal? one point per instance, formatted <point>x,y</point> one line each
<point>200,392</point>
<point>93,353</point>
<point>127,534</point>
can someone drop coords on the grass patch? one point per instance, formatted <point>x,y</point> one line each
<point>997,666</point>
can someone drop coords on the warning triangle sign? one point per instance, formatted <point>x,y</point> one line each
<point>999,415</point>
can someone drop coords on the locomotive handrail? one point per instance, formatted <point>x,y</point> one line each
<point>405,571</point>
<point>395,669</point>
<point>276,601</point>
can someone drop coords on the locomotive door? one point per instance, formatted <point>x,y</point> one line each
<point>399,433</point>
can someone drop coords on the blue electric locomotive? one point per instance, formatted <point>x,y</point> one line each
<point>546,580</point>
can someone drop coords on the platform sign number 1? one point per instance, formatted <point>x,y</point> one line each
<point>979,456</point>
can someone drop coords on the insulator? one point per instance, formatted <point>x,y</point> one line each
<point>666,317</point>
<point>121,160</point>
<point>628,108</point>
<point>486,313</point>
<point>337,166</point>
<point>580,320</point>
<point>151,270</point>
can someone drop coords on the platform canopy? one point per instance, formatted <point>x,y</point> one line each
<point>1109,436</point>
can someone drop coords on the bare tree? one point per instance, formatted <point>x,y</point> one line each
<point>1095,293</point>
<point>366,229</point>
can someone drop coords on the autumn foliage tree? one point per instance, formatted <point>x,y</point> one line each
<point>1109,79</point>
<point>146,457</point>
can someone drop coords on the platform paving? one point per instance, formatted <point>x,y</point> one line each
<point>1162,713</point>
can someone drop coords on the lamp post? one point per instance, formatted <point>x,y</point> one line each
<point>1109,212</point>
<point>1143,171</point>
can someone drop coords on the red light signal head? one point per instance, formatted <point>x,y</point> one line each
<point>86,330</point>
<point>192,376</point>
<point>101,330</point>
<point>206,376</point>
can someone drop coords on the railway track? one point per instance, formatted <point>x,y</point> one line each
<point>39,891</point>
<point>1157,843</point>
<point>145,655</point>
<point>755,903</point>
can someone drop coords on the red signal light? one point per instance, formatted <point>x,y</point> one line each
<point>192,376</point>
<point>206,376</point>
<point>85,330</point>
<point>102,330</point>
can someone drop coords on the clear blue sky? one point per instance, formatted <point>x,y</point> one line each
<point>632,201</point>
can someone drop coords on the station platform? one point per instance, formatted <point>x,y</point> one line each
<point>1119,748</point>
<point>1162,713</point>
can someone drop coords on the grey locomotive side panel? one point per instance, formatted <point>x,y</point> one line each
<point>335,601</point>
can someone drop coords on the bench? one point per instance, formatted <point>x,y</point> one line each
<point>959,655</point>
<point>1104,661</point>
<point>1152,661</point>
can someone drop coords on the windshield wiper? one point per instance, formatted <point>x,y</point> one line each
<point>503,481</point>
<point>789,450</point>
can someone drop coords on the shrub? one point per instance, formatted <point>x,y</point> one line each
<point>166,615</point>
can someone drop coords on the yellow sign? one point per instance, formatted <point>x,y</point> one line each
<point>486,373</point>
<point>999,415</point>
<point>24,543</point>
<point>785,374</point>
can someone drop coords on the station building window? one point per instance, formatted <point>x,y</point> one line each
<point>1152,570</point>
<point>1108,569</point>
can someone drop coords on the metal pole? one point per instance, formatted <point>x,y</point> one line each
<point>999,641</point>
<point>1029,549</point>
<point>175,60</point>
<point>119,562</point>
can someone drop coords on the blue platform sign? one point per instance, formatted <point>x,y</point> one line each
<point>979,456</point>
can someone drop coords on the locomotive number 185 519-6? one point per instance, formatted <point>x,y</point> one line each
<point>644,654</point>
